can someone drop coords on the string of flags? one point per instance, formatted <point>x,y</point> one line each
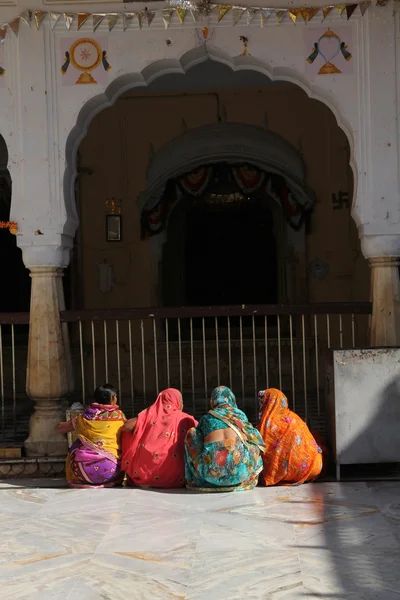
<point>182,8</point>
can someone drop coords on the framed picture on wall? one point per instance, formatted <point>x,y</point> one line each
<point>113,228</point>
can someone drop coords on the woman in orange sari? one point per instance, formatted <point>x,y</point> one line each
<point>292,455</point>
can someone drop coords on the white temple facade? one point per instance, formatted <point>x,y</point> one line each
<point>64,64</point>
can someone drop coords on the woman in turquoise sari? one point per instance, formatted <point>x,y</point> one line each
<point>223,453</point>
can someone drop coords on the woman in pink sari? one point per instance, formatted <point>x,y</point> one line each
<point>153,444</point>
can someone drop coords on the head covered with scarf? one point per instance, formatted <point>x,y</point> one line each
<point>224,407</point>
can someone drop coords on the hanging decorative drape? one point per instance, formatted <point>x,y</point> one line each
<point>154,220</point>
<point>196,182</point>
<point>249,180</point>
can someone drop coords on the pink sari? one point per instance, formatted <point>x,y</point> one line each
<point>153,454</point>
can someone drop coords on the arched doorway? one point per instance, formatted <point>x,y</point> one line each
<point>214,244</point>
<point>121,149</point>
<point>133,160</point>
<point>217,228</point>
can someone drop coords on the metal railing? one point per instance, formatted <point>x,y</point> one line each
<point>16,407</point>
<point>195,349</point>
<point>143,351</point>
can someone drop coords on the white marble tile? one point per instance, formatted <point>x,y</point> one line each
<point>239,572</point>
<point>21,578</point>
<point>329,541</point>
<point>132,575</point>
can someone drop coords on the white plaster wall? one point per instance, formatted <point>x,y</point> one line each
<point>43,121</point>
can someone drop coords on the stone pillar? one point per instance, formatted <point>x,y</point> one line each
<point>383,253</point>
<point>49,359</point>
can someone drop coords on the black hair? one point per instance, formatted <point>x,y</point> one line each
<point>105,393</point>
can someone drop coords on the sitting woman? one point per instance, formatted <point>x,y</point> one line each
<point>292,456</point>
<point>153,443</point>
<point>94,459</point>
<point>223,453</point>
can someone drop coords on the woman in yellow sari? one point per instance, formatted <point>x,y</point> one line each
<point>94,459</point>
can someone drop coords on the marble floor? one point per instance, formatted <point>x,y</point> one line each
<point>319,541</point>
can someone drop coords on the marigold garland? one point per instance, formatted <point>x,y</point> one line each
<point>10,225</point>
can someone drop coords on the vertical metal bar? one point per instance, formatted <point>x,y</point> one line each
<point>94,358</point>
<point>304,367</point>
<point>316,362</point>
<point>217,350</point>
<point>279,353</point>
<point>341,330</point>
<point>155,354</point>
<point>241,354</point>
<point>253,323</point>
<point>180,355</point>
<point>105,349</point>
<point>131,367</point>
<point>229,353</point>
<point>266,350</point>
<point>192,365</point>
<point>143,359</point>
<point>2,384</point>
<point>328,330</point>
<point>82,363</point>
<point>353,330</point>
<point>13,377</point>
<point>292,362</point>
<point>118,362</point>
<point>167,349</point>
<point>205,361</point>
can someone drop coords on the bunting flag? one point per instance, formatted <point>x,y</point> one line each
<point>128,18</point>
<point>181,8</point>
<point>38,16</point>
<point>181,12</point>
<point>68,19</point>
<point>167,16</point>
<point>279,16</point>
<point>26,17</point>
<point>150,14</point>
<point>222,10</point>
<point>140,18</point>
<point>97,20</point>
<point>237,12</point>
<point>14,26</point>
<point>311,13</point>
<point>265,14</point>
<point>54,18</point>
<point>82,18</point>
<point>3,33</point>
<point>196,15</point>
<point>304,13</point>
<point>251,13</point>
<point>112,20</point>
<point>350,8</point>
<point>326,11</point>
<point>340,9</point>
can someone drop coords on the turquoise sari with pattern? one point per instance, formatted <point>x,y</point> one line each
<point>230,465</point>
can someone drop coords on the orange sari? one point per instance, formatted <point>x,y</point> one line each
<point>292,455</point>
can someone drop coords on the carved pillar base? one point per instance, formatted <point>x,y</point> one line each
<point>47,372</point>
<point>42,440</point>
<point>385,293</point>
